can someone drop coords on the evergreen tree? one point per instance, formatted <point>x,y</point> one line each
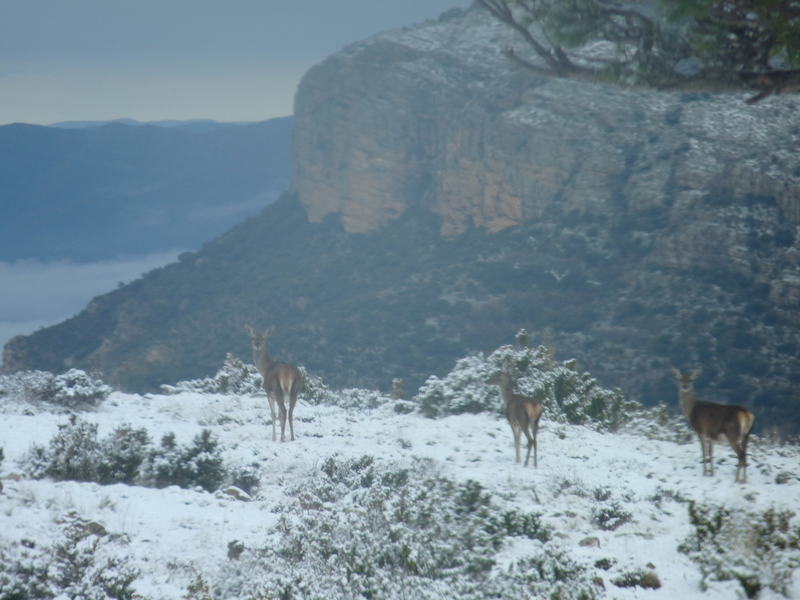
<point>710,45</point>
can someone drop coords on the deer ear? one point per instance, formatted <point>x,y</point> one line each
<point>696,372</point>
<point>249,330</point>
<point>675,372</point>
<point>269,331</point>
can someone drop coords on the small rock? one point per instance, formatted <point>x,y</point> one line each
<point>239,494</point>
<point>590,541</point>
<point>598,581</point>
<point>784,477</point>
<point>93,528</point>
<point>651,565</point>
<point>235,549</point>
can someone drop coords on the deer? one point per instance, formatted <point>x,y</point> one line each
<point>715,423</point>
<point>282,382</point>
<point>523,413</point>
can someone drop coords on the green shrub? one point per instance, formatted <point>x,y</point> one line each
<point>641,578</point>
<point>567,396</point>
<point>73,454</point>
<point>756,549</point>
<point>198,464</point>
<point>123,451</point>
<point>359,527</point>
<point>611,518</point>
<point>77,565</point>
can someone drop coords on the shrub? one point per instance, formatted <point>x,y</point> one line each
<point>246,478</point>
<point>78,565</point>
<point>73,454</point>
<point>71,389</point>
<point>127,456</point>
<point>198,464</point>
<point>610,518</point>
<point>568,396</point>
<point>641,578</point>
<point>76,387</point>
<point>364,528</point>
<point>756,549</point>
<point>235,377</point>
<point>123,453</point>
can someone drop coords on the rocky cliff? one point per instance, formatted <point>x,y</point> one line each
<point>699,194</point>
<point>434,116</point>
<point>442,200</point>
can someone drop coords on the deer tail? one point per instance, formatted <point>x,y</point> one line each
<point>746,419</point>
<point>533,410</point>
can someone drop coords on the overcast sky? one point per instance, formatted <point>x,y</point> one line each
<point>96,60</point>
<point>232,60</point>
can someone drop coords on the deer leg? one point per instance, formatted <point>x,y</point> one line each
<point>272,412</point>
<point>282,409</point>
<point>711,455</point>
<point>530,447</point>
<point>741,453</point>
<point>536,443</point>
<point>743,457</point>
<point>517,434</point>
<point>291,416</point>
<point>703,450</point>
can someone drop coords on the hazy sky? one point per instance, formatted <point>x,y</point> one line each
<point>232,60</point>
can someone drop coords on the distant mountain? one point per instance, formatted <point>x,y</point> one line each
<point>97,192</point>
<point>196,125</point>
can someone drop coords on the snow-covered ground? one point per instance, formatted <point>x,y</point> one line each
<point>172,535</point>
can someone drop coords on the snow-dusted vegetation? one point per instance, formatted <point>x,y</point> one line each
<point>184,495</point>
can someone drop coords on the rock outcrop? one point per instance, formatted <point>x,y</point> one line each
<point>435,116</point>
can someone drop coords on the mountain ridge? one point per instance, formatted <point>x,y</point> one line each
<point>96,193</point>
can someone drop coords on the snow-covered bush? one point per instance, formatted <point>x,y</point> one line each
<point>77,565</point>
<point>197,464</point>
<point>463,390</point>
<point>360,528</point>
<point>656,423</point>
<point>29,386</point>
<point>246,478</point>
<point>568,396</point>
<point>76,387</point>
<point>235,377</point>
<point>71,389</point>
<point>73,454</point>
<point>759,550</point>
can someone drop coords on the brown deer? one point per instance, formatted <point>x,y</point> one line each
<point>715,423</point>
<point>282,382</point>
<point>523,413</point>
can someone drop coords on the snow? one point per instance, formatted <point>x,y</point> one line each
<point>171,535</point>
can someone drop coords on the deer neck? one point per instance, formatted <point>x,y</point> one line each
<point>507,390</point>
<point>686,401</point>
<point>262,359</point>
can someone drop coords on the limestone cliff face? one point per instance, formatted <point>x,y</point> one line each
<point>433,115</point>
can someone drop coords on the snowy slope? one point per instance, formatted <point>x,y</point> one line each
<point>172,535</point>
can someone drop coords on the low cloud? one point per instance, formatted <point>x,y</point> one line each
<point>38,294</point>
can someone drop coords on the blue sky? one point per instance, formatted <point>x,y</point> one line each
<point>238,60</point>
